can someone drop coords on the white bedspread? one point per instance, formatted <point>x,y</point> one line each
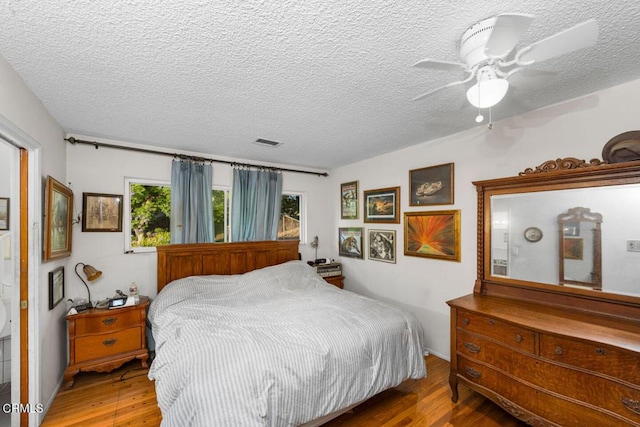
<point>274,347</point>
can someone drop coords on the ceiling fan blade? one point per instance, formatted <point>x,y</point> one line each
<point>436,64</point>
<point>448,85</point>
<point>580,36</point>
<point>506,33</point>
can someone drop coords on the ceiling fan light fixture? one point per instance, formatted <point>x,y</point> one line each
<point>487,93</point>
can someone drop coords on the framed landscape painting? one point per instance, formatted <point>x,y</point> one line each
<point>57,220</point>
<point>432,234</point>
<point>431,186</point>
<point>56,286</point>
<point>101,212</point>
<point>4,213</point>
<point>382,205</point>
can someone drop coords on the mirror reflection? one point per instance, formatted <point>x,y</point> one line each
<point>580,248</point>
<point>525,244</point>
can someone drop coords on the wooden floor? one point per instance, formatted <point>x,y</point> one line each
<point>126,397</point>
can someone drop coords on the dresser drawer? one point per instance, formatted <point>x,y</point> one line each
<point>592,356</point>
<point>102,345</point>
<point>108,321</point>
<point>517,397</point>
<point>509,334</point>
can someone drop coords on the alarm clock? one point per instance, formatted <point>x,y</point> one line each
<point>117,302</point>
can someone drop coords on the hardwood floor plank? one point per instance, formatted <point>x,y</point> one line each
<point>126,397</point>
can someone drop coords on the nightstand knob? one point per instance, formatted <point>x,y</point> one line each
<point>109,321</point>
<point>109,343</point>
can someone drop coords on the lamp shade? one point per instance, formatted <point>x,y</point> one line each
<point>487,93</point>
<point>91,272</point>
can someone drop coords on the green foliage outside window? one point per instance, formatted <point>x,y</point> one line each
<point>150,209</point>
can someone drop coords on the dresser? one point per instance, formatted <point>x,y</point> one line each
<point>551,332</point>
<point>546,365</point>
<point>102,340</point>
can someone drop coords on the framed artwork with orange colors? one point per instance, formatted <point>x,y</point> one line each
<point>432,234</point>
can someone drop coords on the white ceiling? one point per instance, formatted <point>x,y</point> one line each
<point>333,80</point>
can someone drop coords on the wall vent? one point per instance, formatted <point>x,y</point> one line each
<point>267,143</point>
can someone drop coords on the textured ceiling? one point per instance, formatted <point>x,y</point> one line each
<point>332,80</point>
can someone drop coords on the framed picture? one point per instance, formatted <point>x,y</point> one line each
<point>434,234</point>
<point>101,212</point>
<point>350,242</point>
<point>382,205</point>
<point>349,200</point>
<point>382,245</point>
<point>56,287</point>
<point>57,220</point>
<point>573,249</point>
<point>4,213</point>
<point>431,186</point>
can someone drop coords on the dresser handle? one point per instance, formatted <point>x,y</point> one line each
<point>632,405</point>
<point>492,322</point>
<point>601,351</point>
<point>109,321</point>
<point>472,347</point>
<point>109,343</point>
<point>558,351</point>
<point>465,321</point>
<point>518,338</point>
<point>473,373</point>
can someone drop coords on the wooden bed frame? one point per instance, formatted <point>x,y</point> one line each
<point>196,259</point>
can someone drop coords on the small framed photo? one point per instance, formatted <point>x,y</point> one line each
<point>382,205</point>
<point>58,219</point>
<point>382,245</point>
<point>56,287</point>
<point>350,242</point>
<point>4,213</point>
<point>432,234</point>
<point>432,185</point>
<point>349,200</point>
<point>101,212</point>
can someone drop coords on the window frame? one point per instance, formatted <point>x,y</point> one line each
<point>126,220</point>
<point>303,213</point>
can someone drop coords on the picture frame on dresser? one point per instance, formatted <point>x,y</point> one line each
<point>433,185</point>
<point>432,234</point>
<point>56,287</point>
<point>350,242</point>
<point>382,245</point>
<point>349,200</point>
<point>101,212</point>
<point>58,220</point>
<point>382,205</point>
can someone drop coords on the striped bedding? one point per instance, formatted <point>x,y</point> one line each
<point>274,347</point>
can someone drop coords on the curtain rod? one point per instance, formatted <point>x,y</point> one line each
<point>97,145</point>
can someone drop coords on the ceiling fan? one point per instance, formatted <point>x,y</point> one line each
<point>487,51</point>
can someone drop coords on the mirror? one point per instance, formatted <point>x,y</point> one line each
<point>568,228</point>
<point>580,248</point>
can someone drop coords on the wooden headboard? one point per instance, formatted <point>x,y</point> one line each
<point>195,259</point>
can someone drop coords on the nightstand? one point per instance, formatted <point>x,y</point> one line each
<point>335,281</point>
<point>102,340</point>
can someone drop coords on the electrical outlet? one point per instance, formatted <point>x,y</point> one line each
<point>633,245</point>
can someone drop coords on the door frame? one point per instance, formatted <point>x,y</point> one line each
<point>29,217</point>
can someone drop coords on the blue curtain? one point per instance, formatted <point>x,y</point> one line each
<point>256,197</point>
<point>191,202</point>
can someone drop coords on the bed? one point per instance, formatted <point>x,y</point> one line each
<point>248,335</point>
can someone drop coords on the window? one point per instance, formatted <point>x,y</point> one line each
<point>147,213</point>
<point>147,209</point>
<point>291,216</point>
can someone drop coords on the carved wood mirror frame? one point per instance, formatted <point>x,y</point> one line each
<point>559,174</point>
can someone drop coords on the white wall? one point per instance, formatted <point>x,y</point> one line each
<point>579,128</point>
<point>104,171</point>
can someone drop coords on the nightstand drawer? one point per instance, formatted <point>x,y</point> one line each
<point>97,346</point>
<point>108,321</point>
